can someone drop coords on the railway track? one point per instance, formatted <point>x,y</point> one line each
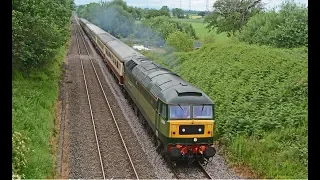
<point>195,171</point>
<point>83,49</point>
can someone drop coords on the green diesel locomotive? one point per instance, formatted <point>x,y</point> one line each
<point>179,114</point>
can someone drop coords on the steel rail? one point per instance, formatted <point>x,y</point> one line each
<point>176,174</point>
<point>92,118</point>
<point>204,171</point>
<point>113,117</point>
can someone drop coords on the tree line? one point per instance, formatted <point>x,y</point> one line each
<point>39,28</point>
<point>250,22</point>
<point>152,27</point>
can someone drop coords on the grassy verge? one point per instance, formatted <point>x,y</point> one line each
<point>261,97</point>
<point>33,115</point>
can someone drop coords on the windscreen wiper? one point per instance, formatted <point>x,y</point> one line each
<point>180,107</point>
<point>202,109</point>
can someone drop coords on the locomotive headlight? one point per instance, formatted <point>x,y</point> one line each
<point>195,139</point>
<point>199,129</point>
<point>183,130</point>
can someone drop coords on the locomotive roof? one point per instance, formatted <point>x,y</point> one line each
<point>165,84</point>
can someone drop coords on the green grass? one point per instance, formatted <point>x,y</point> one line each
<point>33,113</point>
<point>276,155</point>
<point>261,102</point>
<point>202,32</point>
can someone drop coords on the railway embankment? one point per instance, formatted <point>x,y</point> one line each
<point>261,99</point>
<point>34,103</point>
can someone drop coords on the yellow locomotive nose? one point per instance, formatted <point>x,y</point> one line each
<point>191,129</point>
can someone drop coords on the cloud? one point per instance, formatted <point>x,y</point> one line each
<point>194,4</point>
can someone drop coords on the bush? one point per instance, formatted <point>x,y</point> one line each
<point>210,38</point>
<point>180,41</point>
<point>287,28</point>
<point>258,91</point>
<point>19,151</point>
<point>261,101</point>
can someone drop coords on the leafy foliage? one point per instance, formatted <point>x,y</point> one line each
<point>287,28</point>
<point>261,101</point>
<point>202,13</point>
<point>179,13</point>
<point>230,15</point>
<point>19,151</point>
<point>180,41</point>
<point>154,13</point>
<point>33,112</point>
<point>38,30</point>
<point>165,8</point>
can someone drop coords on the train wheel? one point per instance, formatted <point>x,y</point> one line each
<point>154,139</point>
<point>125,94</point>
<point>159,147</point>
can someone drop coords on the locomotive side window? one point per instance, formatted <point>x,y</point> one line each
<point>163,111</point>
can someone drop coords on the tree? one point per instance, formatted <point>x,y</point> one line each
<point>165,8</point>
<point>202,14</point>
<point>120,3</point>
<point>230,15</point>
<point>154,13</point>
<point>180,41</point>
<point>179,13</point>
<point>138,13</point>
<point>287,28</point>
<point>119,22</point>
<point>135,12</point>
<point>33,43</point>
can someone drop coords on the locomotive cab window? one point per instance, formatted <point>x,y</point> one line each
<point>203,112</point>
<point>180,112</point>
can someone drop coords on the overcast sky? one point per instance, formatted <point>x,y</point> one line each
<point>195,4</point>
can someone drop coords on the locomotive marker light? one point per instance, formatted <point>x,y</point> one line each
<point>195,139</point>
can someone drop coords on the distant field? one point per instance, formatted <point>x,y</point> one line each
<point>202,31</point>
<point>200,28</point>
